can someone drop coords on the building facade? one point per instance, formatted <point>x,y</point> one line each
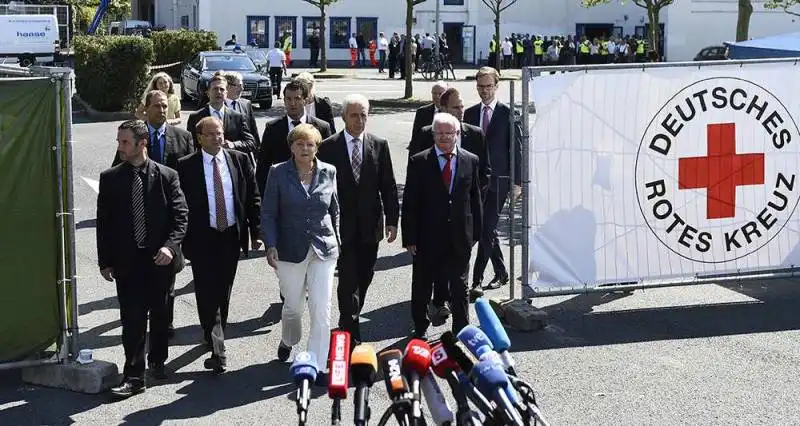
<point>687,25</point>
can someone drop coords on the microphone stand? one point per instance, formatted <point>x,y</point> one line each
<point>336,412</point>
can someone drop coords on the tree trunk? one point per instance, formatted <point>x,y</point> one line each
<point>655,29</point>
<point>409,92</point>
<point>497,46</point>
<point>323,60</point>
<point>743,21</point>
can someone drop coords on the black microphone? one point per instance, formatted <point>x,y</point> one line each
<point>466,361</point>
<point>391,362</point>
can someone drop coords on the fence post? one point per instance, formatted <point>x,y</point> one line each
<point>511,201</point>
<point>526,88</point>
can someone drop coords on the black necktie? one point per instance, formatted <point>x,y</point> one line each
<point>137,208</point>
<point>295,123</point>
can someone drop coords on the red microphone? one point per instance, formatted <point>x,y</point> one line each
<point>446,368</point>
<point>416,363</point>
<point>339,366</point>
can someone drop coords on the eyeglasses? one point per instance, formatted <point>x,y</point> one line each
<point>440,134</point>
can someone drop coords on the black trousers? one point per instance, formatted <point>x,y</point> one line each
<point>489,244</point>
<point>449,266</point>
<point>214,272</point>
<point>392,65</point>
<point>314,57</point>
<point>356,266</point>
<point>142,294</point>
<point>276,77</point>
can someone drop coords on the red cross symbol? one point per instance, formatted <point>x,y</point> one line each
<point>721,171</point>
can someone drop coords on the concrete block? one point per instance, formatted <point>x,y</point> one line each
<point>95,377</point>
<point>519,314</point>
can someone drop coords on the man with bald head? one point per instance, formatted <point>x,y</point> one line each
<point>424,114</point>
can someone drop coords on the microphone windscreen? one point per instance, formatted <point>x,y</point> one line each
<point>391,362</point>
<point>475,340</point>
<point>441,363</point>
<point>457,352</point>
<point>417,357</point>
<point>364,364</point>
<point>339,364</point>
<point>490,376</point>
<point>304,367</point>
<point>491,325</point>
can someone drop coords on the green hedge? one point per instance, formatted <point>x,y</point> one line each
<point>112,72</point>
<point>180,46</point>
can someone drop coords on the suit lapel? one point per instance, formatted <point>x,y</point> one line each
<point>461,170</point>
<point>169,145</point>
<point>344,151</point>
<point>433,159</point>
<point>497,117</point>
<point>227,122</point>
<point>234,172</point>
<point>314,180</point>
<point>201,181</point>
<point>369,154</point>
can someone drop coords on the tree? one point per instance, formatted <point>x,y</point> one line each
<point>409,65</point>
<point>653,8</point>
<point>783,4</point>
<point>743,20</point>
<point>323,16</point>
<point>497,7</point>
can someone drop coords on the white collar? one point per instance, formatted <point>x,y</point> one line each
<point>221,111</point>
<point>439,152</point>
<point>349,138</point>
<point>302,120</point>
<point>208,157</point>
<point>492,105</point>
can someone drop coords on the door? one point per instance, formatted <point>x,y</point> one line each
<point>592,31</point>
<point>257,31</point>
<point>367,27</point>
<point>453,34</point>
<point>468,44</point>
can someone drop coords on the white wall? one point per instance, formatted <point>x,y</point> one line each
<point>695,24</point>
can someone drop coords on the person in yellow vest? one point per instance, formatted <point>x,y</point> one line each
<point>287,47</point>
<point>493,52</point>
<point>520,50</point>
<point>538,51</point>
<point>603,50</point>
<point>639,50</point>
<point>583,51</point>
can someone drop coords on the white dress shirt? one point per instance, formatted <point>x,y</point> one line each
<point>275,58</point>
<point>213,112</point>
<point>302,120</point>
<point>353,43</point>
<point>349,139</point>
<point>311,109</point>
<point>492,106</point>
<point>227,187</point>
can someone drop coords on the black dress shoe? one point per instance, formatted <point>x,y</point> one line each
<point>128,388</point>
<point>284,352</point>
<point>475,293</point>
<point>215,363</point>
<point>157,371</point>
<point>497,282</point>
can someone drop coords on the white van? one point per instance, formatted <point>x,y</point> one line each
<point>29,38</point>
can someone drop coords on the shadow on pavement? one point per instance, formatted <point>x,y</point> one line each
<point>573,324</point>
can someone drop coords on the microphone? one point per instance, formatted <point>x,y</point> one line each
<point>416,363</point>
<point>444,367</point>
<point>391,362</point>
<point>465,361</point>
<point>304,372</point>
<point>434,399</point>
<point>339,365</point>
<point>492,380</point>
<point>496,333</point>
<point>363,368</point>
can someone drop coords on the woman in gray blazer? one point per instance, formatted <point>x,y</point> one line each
<point>300,223</point>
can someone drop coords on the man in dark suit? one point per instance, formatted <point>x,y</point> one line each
<point>442,210</point>
<point>141,222</point>
<point>237,132</point>
<point>217,231</point>
<point>424,115</point>
<point>493,117</point>
<point>274,145</point>
<point>317,106</point>
<point>236,102</point>
<point>471,139</point>
<point>367,190</point>
<point>166,145</point>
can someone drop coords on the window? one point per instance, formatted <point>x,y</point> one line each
<point>257,30</point>
<point>367,27</point>
<point>185,21</point>
<point>286,25</point>
<point>309,25</point>
<point>454,2</point>
<point>339,33</point>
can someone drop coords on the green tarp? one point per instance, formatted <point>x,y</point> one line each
<point>29,228</point>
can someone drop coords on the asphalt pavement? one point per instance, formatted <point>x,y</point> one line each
<point>708,354</point>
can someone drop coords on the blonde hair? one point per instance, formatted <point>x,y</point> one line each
<point>305,132</point>
<point>484,71</point>
<point>154,83</point>
<point>198,128</point>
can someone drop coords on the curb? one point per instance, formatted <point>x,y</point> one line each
<point>102,115</point>
<point>398,103</point>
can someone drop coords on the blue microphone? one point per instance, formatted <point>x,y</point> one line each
<point>304,373</point>
<point>496,333</point>
<point>492,381</point>
<point>475,340</point>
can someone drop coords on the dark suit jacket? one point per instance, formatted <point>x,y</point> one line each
<point>165,209</point>
<point>363,205</point>
<point>275,147</point>
<point>324,111</point>
<point>246,201</point>
<point>499,139</point>
<point>245,107</point>
<point>429,210</point>
<point>178,143</point>
<point>423,117</point>
<point>234,124</point>
<point>471,139</point>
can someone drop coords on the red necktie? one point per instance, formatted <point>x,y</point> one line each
<point>447,171</point>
